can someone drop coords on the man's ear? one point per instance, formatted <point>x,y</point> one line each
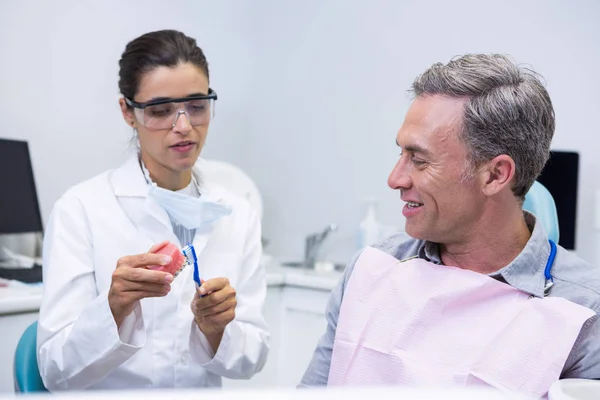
<point>127,112</point>
<point>497,174</point>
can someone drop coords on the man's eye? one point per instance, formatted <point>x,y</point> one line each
<point>418,161</point>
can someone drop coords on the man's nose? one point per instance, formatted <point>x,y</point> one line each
<point>400,177</point>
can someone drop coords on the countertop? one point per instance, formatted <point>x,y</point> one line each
<point>21,298</point>
<point>303,278</point>
<point>17,298</point>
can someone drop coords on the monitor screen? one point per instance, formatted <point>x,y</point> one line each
<point>560,176</point>
<point>19,208</point>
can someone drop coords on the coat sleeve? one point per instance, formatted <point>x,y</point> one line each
<point>78,341</point>
<point>245,344</point>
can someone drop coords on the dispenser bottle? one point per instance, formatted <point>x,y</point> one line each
<point>370,227</point>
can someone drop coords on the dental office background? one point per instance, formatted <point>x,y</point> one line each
<point>311,94</point>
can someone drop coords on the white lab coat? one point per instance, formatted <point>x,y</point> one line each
<point>94,224</point>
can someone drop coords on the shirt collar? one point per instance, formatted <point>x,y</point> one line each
<point>525,272</point>
<point>430,251</point>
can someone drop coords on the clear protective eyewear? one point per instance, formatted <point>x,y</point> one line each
<point>163,113</point>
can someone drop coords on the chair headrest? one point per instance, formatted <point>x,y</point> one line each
<point>233,179</point>
<point>540,203</point>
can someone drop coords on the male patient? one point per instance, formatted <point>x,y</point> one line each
<point>474,293</point>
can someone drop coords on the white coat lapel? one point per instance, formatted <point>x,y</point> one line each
<point>131,189</point>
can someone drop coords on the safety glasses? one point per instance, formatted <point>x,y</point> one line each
<point>163,113</point>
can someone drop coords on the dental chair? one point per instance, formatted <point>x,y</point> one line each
<point>540,203</point>
<point>239,183</point>
<point>25,370</point>
<point>233,179</point>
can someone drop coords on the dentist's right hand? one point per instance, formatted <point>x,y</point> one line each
<point>131,282</point>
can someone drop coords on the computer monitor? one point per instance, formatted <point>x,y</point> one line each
<point>19,207</point>
<point>560,176</point>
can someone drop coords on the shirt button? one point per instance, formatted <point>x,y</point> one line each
<point>184,359</point>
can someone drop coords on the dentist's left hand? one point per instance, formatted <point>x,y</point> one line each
<point>215,309</point>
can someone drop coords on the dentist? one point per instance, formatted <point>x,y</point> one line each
<point>108,322</point>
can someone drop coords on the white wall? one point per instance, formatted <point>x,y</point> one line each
<point>59,74</point>
<point>333,77</point>
<point>311,92</point>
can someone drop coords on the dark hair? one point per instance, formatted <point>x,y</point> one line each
<point>166,48</point>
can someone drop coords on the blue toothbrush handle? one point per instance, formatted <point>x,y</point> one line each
<point>196,272</point>
<point>196,277</point>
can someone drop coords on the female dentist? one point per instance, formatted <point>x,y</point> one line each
<point>107,321</point>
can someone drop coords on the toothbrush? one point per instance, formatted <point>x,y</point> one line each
<point>191,259</point>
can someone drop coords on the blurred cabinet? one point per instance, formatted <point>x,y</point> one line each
<point>296,319</point>
<point>302,325</point>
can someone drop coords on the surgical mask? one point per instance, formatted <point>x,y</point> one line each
<point>188,211</point>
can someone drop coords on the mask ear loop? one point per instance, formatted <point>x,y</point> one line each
<point>145,171</point>
<point>135,140</point>
<point>196,185</point>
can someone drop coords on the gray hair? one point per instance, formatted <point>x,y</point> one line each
<point>508,111</point>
